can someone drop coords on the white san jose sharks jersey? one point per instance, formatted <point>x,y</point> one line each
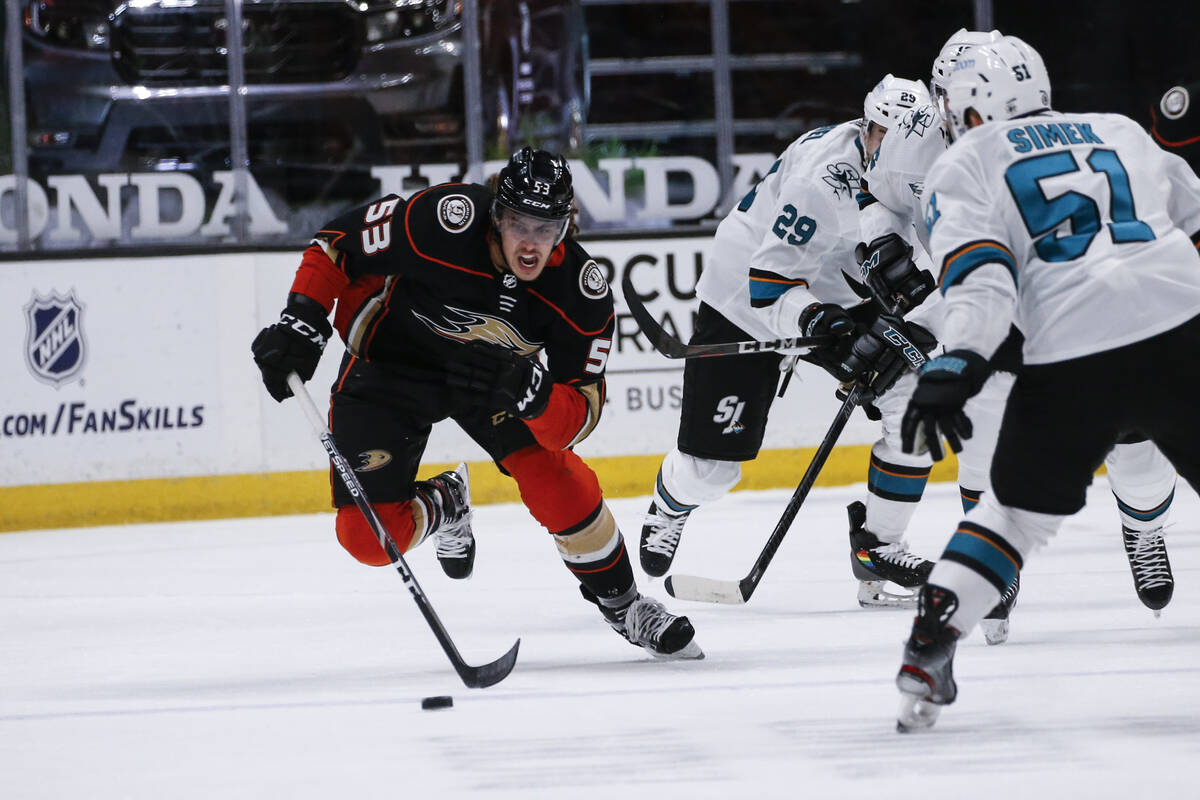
<point>1078,225</point>
<point>895,176</point>
<point>788,241</point>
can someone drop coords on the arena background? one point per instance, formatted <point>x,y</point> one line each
<point>133,287</point>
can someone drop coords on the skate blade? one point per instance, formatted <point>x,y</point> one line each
<point>916,714</point>
<point>995,631</point>
<point>689,652</point>
<point>873,594</point>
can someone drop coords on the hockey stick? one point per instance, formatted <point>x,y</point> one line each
<point>671,347</point>
<point>708,590</point>
<point>474,677</point>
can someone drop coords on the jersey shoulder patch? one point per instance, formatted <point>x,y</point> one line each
<point>455,212</point>
<point>592,283</point>
<point>920,121</point>
<point>844,178</point>
<point>449,223</point>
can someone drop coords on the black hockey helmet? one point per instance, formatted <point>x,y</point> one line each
<point>536,183</point>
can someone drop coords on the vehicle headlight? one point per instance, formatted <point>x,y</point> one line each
<point>403,19</point>
<point>67,24</point>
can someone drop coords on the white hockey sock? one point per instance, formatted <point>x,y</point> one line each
<point>690,481</point>
<point>1143,483</point>
<point>895,483</point>
<point>976,594</point>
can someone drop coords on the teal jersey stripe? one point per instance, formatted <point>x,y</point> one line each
<point>967,258</point>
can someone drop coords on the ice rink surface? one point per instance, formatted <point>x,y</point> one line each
<point>255,659</point>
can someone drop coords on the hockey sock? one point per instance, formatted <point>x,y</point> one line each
<point>978,564</point>
<point>563,494</point>
<point>976,594</point>
<point>1138,519</point>
<point>594,551</point>
<point>689,480</point>
<point>432,506</point>
<point>1143,483</point>
<point>666,501</point>
<point>969,497</point>
<point>893,493</point>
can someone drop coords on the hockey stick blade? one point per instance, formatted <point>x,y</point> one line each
<point>490,674</point>
<point>705,590</point>
<point>671,346</point>
<point>473,677</point>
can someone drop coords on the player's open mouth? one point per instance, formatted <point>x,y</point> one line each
<point>528,262</point>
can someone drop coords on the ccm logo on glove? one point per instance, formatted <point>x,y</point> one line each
<point>304,329</point>
<point>906,348</point>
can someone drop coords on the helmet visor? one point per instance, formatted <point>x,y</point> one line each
<point>514,225</point>
<point>948,120</point>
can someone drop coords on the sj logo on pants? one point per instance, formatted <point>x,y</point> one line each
<point>729,410</point>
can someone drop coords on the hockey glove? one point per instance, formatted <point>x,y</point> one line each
<point>889,272</point>
<point>293,344</point>
<point>936,407</point>
<point>827,319</point>
<point>882,353</point>
<point>501,378</point>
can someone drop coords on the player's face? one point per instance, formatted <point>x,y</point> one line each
<point>874,138</point>
<point>527,242</point>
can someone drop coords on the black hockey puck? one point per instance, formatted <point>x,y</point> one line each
<point>440,701</point>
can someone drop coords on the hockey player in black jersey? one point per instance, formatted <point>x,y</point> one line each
<point>444,301</point>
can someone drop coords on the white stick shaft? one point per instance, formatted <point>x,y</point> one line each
<point>306,403</point>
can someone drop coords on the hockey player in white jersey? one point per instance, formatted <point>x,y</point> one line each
<point>890,211</point>
<point>782,265</point>
<point>900,153</point>
<point>1083,230</point>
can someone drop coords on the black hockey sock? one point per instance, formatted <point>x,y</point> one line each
<point>609,579</point>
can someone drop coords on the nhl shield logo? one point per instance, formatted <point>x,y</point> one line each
<point>54,346</point>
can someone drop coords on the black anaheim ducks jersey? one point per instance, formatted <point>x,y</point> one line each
<point>415,280</point>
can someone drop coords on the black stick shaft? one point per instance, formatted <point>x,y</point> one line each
<point>473,677</point>
<point>749,583</point>
<point>672,347</point>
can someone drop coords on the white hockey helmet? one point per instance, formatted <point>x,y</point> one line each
<point>959,40</point>
<point>999,81</point>
<point>892,98</point>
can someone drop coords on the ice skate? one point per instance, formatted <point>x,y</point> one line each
<point>995,624</point>
<point>650,626</point>
<point>646,623</point>
<point>926,676</point>
<point>876,563</point>
<point>1152,578</point>
<point>660,537</point>
<point>455,541</point>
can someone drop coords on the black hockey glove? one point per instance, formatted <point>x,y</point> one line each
<point>497,377</point>
<point>883,352</point>
<point>827,319</point>
<point>936,407</point>
<point>293,344</point>
<point>889,272</point>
